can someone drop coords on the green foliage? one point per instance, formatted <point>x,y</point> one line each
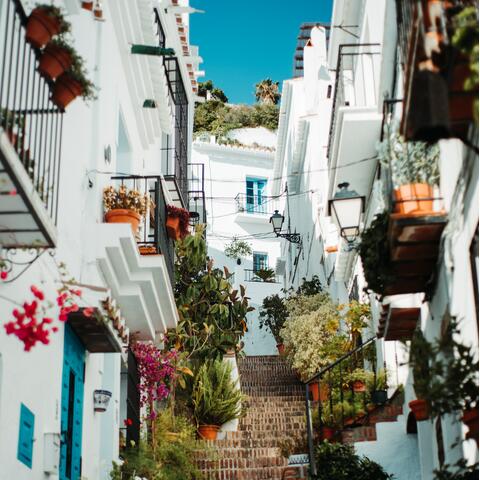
<point>357,317</point>
<point>445,372</point>
<point>212,314</point>
<point>309,287</point>
<point>215,397</point>
<point>410,162</point>
<point>237,249</point>
<point>273,315</point>
<point>459,471</point>
<point>217,93</point>
<point>267,92</point>
<point>265,274</point>
<point>339,462</point>
<point>58,14</point>
<point>375,254</point>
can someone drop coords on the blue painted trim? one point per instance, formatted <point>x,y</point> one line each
<point>25,436</point>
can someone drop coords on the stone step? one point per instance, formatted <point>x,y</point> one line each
<point>266,473</point>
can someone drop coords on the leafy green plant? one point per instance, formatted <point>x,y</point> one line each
<point>265,274</point>
<point>273,315</point>
<point>216,93</point>
<point>375,254</point>
<point>357,317</point>
<point>340,462</point>
<point>215,397</point>
<point>360,375</point>
<point>78,71</point>
<point>58,14</point>
<point>461,471</point>
<point>410,162</point>
<point>237,249</point>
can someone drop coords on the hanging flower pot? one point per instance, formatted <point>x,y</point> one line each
<point>87,5</point>
<point>173,227</point>
<point>56,58</point>
<point>208,432</point>
<point>121,215</point>
<point>409,197</point>
<point>359,386</point>
<point>101,399</point>
<point>470,419</point>
<point>65,90</point>
<point>420,409</point>
<point>177,222</point>
<point>41,27</point>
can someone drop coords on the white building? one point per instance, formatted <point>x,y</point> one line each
<point>331,122</point>
<point>51,212</point>
<point>239,203</point>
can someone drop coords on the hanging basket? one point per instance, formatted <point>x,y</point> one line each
<point>65,90</point>
<point>54,61</point>
<point>41,27</point>
<point>173,227</point>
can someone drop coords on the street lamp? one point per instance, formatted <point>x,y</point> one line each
<point>347,207</point>
<point>277,220</point>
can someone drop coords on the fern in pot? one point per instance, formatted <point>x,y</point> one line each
<point>415,173</point>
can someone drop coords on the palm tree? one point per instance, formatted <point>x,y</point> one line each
<point>266,92</point>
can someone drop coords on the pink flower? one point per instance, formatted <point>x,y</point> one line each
<point>13,191</point>
<point>3,275</point>
<point>37,293</point>
<point>88,312</point>
<point>127,422</point>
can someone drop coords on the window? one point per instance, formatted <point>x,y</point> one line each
<point>260,261</point>
<point>255,197</point>
<point>25,436</point>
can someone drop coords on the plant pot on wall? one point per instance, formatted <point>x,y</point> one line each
<point>65,90</point>
<point>328,433</point>
<point>470,419</point>
<point>87,5</point>
<point>281,348</point>
<point>359,386</point>
<point>379,397</point>
<point>120,215</point>
<point>208,432</point>
<point>41,27</point>
<point>409,198</point>
<point>420,409</point>
<point>54,61</point>
<point>173,227</point>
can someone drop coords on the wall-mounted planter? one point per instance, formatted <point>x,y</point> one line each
<point>55,60</point>
<point>414,198</point>
<point>101,399</point>
<point>173,227</point>
<point>208,432</point>
<point>41,27</point>
<point>419,409</point>
<point>87,5</point>
<point>359,386</point>
<point>470,419</point>
<point>121,215</point>
<point>65,90</point>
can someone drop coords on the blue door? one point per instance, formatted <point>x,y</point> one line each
<point>255,195</point>
<point>72,406</point>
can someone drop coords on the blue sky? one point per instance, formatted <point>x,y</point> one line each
<point>243,41</point>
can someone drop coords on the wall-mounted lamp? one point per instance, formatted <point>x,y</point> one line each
<point>277,220</point>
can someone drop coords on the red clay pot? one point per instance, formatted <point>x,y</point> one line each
<point>173,227</point>
<point>54,61</point>
<point>328,433</point>
<point>41,27</point>
<point>208,432</point>
<point>281,348</point>
<point>147,250</point>
<point>65,90</point>
<point>87,5</point>
<point>470,419</point>
<point>121,215</point>
<point>358,386</point>
<point>408,198</point>
<point>319,394</point>
<point>419,409</point>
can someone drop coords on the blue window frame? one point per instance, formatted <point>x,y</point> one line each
<point>260,261</point>
<point>25,436</point>
<point>255,195</point>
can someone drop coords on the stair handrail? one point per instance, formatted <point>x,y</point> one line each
<point>317,377</point>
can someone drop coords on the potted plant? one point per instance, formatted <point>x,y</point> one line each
<point>43,23</point>
<point>273,315</point>
<point>73,83</point>
<point>215,398</point>
<point>358,380</point>
<point>415,173</point>
<point>266,274</point>
<point>14,126</point>
<point>237,249</point>
<point>125,206</point>
<point>87,4</point>
<point>375,254</point>
<point>379,387</point>
<point>177,222</point>
<point>56,58</point>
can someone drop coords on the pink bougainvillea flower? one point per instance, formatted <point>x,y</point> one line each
<point>13,191</point>
<point>127,422</point>
<point>55,329</point>
<point>37,293</point>
<point>88,312</point>
<point>3,274</point>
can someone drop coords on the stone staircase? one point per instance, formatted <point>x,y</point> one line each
<point>276,411</point>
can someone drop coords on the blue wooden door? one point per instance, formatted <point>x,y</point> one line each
<point>72,406</point>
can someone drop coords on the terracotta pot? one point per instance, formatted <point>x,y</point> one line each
<point>419,409</point>
<point>98,13</point>
<point>408,198</point>
<point>359,386</point>
<point>470,419</point>
<point>328,433</point>
<point>147,250</point>
<point>65,90</point>
<point>87,5</point>
<point>54,61</point>
<point>281,348</point>
<point>208,432</point>
<point>173,227</point>
<point>41,27</point>
<point>121,215</point>
<point>332,249</point>
<point>319,394</point>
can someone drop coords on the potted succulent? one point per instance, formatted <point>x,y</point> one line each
<point>237,249</point>
<point>125,206</point>
<point>57,57</point>
<point>45,22</point>
<point>177,222</point>
<point>215,398</point>
<point>415,173</point>
<point>266,275</point>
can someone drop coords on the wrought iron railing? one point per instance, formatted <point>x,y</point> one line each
<point>356,81</point>
<point>255,204</point>
<point>196,193</point>
<point>29,118</point>
<point>253,276</point>
<point>152,237</point>
<point>342,403</point>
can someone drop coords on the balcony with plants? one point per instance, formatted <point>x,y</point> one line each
<point>40,74</point>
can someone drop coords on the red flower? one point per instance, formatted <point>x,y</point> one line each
<point>127,422</point>
<point>30,309</point>
<point>55,329</point>
<point>3,275</point>
<point>61,299</point>
<point>88,312</point>
<point>37,293</point>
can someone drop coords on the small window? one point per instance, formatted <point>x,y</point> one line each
<point>260,261</point>
<point>255,195</point>
<point>25,436</point>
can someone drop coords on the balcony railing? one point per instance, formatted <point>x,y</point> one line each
<point>196,193</point>
<point>255,205</point>
<point>253,276</point>
<point>32,124</point>
<point>356,81</point>
<point>152,237</point>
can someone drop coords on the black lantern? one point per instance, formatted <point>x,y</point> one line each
<point>277,223</point>
<point>347,207</point>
